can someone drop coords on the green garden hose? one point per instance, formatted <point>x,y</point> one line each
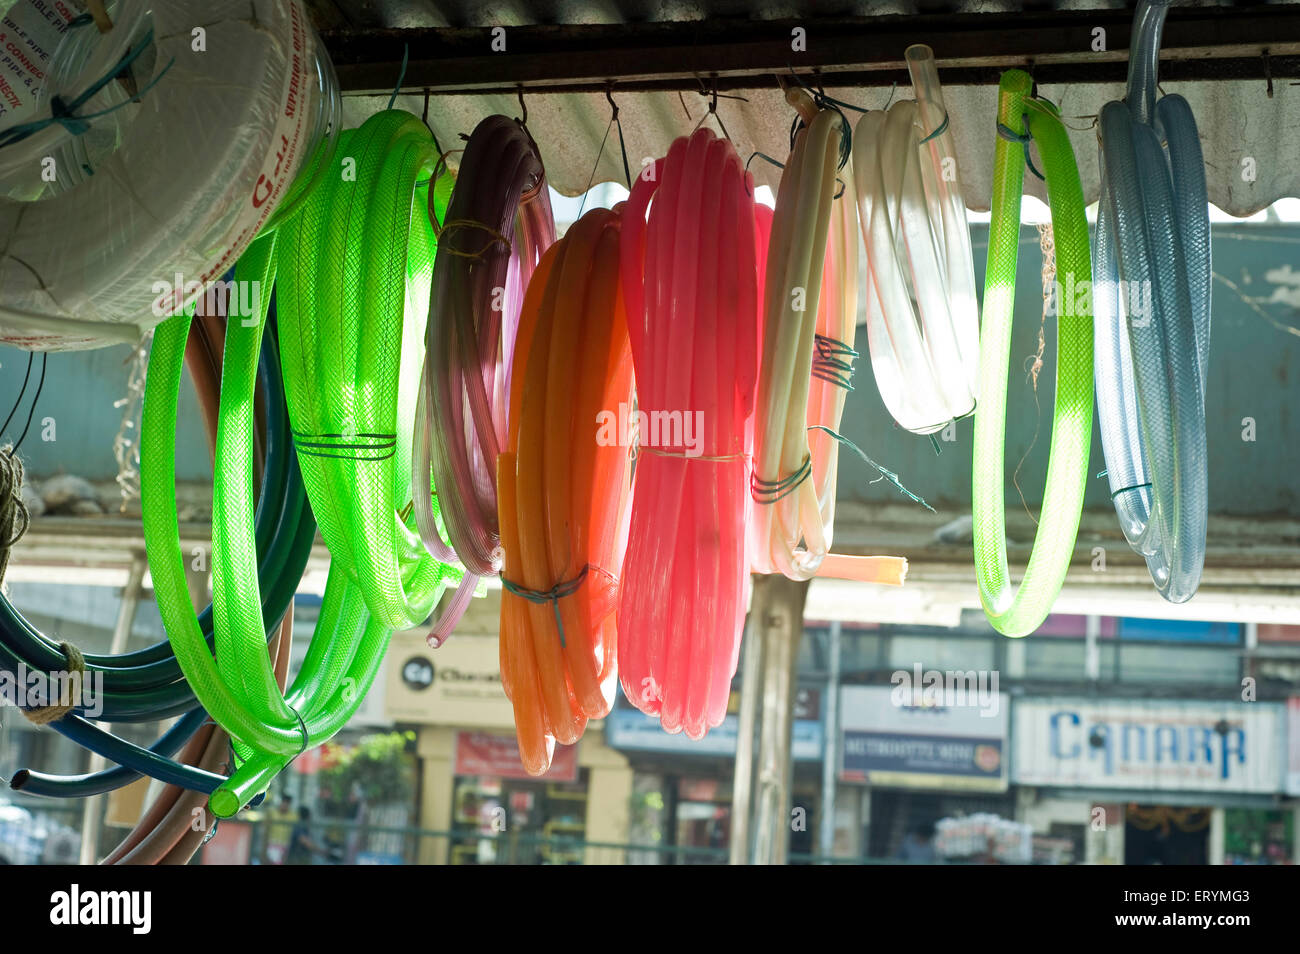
<point>353,299</point>
<point>266,734</point>
<point>1018,612</point>
<point>354,267</point>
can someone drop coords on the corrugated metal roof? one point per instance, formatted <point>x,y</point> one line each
<point>1240,119</point>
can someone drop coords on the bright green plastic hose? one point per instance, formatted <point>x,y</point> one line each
<point>380,576</point>
<point>237,688</point>
<point>355,272</point>
<point>1019,612</point>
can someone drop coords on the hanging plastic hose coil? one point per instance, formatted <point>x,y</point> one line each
<point>1152,318</point>
<point>353,296</point>
<point>691,283</point>
<point>147,685</point>
<point>563,492</point>
<point>807,335</point>
<point>107,194</point>
<point>1018,612</point>
<point>922,313</point>
<point>204,366</point>
<point>239,688</point>
<point>498,224</point>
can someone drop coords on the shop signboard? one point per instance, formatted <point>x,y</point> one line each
<point>458,684</point>
<point>1148,744</point>
<point>630,730</point>
<point>923,740</point>
<point>482,753</point>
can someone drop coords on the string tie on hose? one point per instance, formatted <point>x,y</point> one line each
<point>1010,135</point>
<point>44,715</point>
<point>15,518</point>
<point>65,113</point>
<point>682,455</point>
<point>496,237</point>
<point>833,361</point>
<point>556,593</point>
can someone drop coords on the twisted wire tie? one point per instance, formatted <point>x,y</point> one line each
<point>556,593</point>
<point>943,126</point>
<point>65,114</point>
<point>830,364</point>
<point>770,491</point>
<point>1010,135</point>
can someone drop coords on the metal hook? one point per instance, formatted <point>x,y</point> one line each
<point>523,107</point>
<point>609,97</point>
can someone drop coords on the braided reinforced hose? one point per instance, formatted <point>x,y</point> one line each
<point>922,313</point>
<point>498,224</point>
<point>352,298</point>
<point>239,688</point>
<point>147,685</point>
<point>690,279</point>
<point>1018,612</point>
<point>1152,318</point>
<point>167,833</point>
<point>564,481</point>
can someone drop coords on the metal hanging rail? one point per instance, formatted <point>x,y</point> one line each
<point>1200,43</point>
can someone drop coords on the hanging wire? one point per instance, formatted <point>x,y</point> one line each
<point>401,77</point>
<point>613,121</point>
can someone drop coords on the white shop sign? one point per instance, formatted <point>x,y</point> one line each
<point>1158,745</point>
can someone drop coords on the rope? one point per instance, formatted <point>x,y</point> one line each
<point>76,670</point>
<point>14,515</point>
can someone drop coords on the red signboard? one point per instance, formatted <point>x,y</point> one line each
<point>481,753</point>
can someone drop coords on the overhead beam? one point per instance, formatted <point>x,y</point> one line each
<point>1257,42</point>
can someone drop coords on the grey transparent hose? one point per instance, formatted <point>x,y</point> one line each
<point>1151,308</point>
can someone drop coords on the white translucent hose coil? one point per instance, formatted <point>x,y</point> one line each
<point>160,195</point>
<point>1152,319</point>
<point>922,313</point>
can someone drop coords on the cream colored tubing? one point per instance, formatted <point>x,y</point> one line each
<point>786,507</point>
<point>837,320</point>
<point>922,313</point>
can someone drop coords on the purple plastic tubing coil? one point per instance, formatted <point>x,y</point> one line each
<point>497,226</point>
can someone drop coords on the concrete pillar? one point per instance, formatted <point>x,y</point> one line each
<point>436,747</point>
<point>780,603</point>
<point>609,796</point>
<point>1218,835</point>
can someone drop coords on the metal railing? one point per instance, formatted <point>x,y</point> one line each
<point>345,843</point>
